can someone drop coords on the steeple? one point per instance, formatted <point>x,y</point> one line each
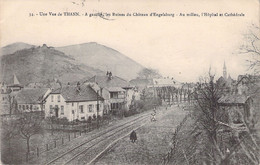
<point>16,80</point>
<point>224,71</point>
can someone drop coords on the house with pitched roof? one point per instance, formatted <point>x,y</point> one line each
<point>237,109</point>
<point>117,92</point>
<point>31,99</point>
<point>74,102</point>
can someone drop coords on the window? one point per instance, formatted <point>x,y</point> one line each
<point>114,105</point>
<point>56,107</point>
<point>62,110</point>
<point>90,108</point>
<point>52,98</point>
<point>114,95</point>
<point>20,107</point>
<point>81,108</point>
<point>23,107</point>
<point>31,107</point>
<point>27,106</point>
<point>58,98</point>
<point>82,118</point>
<point>72,111</point>
<point>50,109</point>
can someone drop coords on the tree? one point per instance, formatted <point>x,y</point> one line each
<point>147,73</point>
<point>12,103</point>
<point>89,120</point>
<point>252,47</point>
<point>9,131</point>
<point>51,121</point>
<point>30,124</point>
<point>63,121</point>
<point>144,95</point>
<point>211,120</point>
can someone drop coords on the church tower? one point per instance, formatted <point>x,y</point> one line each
<point>16,80</point>
<point>224,71</point>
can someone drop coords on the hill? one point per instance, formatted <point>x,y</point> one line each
<point>104,58</point>
<point>42,64</point>
<point>10,49</point>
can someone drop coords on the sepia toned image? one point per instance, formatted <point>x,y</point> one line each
<point>130,82</point>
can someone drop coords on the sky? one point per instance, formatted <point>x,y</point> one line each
<point>183,47</point>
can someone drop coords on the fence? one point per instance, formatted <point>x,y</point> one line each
<point>73,131</point>
<point>166,158</point>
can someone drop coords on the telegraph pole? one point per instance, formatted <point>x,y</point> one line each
<point>97,109</point>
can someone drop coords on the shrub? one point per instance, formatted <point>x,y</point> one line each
<point>89,120</point>
<point>99,117</point>
<point>94,117</point>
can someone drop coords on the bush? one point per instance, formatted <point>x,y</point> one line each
<point>99,117</point>
<point>89,120</point>
<point>141,105</point>
<point>107,117</point>
<point>94,117</point>
<point>64,121</point>
<point>130,113</point>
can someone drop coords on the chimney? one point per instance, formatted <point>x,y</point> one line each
<point>110,76</point>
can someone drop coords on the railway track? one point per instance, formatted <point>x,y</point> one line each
<point>82,148</point>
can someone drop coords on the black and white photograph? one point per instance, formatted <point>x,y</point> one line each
<point>108,82</point>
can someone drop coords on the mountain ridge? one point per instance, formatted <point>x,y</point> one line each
<point>89,59</point>
<point>92,53</point>
<point>41,64</point>
<point>12,48</point>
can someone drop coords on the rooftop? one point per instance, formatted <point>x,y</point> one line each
<point>77,93</point>
<point>233,99</point>
<point>31,95</point>
<point>115,89</point>
<point>105,81</point>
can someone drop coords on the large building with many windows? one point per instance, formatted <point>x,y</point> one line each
<point>74,102</point>
<point>31,99</point>
<point>117,92</point>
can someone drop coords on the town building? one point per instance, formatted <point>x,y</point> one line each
<point>7,100</point>
<point>31,99</point>
<point>74,103</point>
<point>168,89</point>
<point>8,93</point>
<point>237,107</point>
<point>117,92</point>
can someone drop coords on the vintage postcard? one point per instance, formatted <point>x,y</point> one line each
<point>130,82</point>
